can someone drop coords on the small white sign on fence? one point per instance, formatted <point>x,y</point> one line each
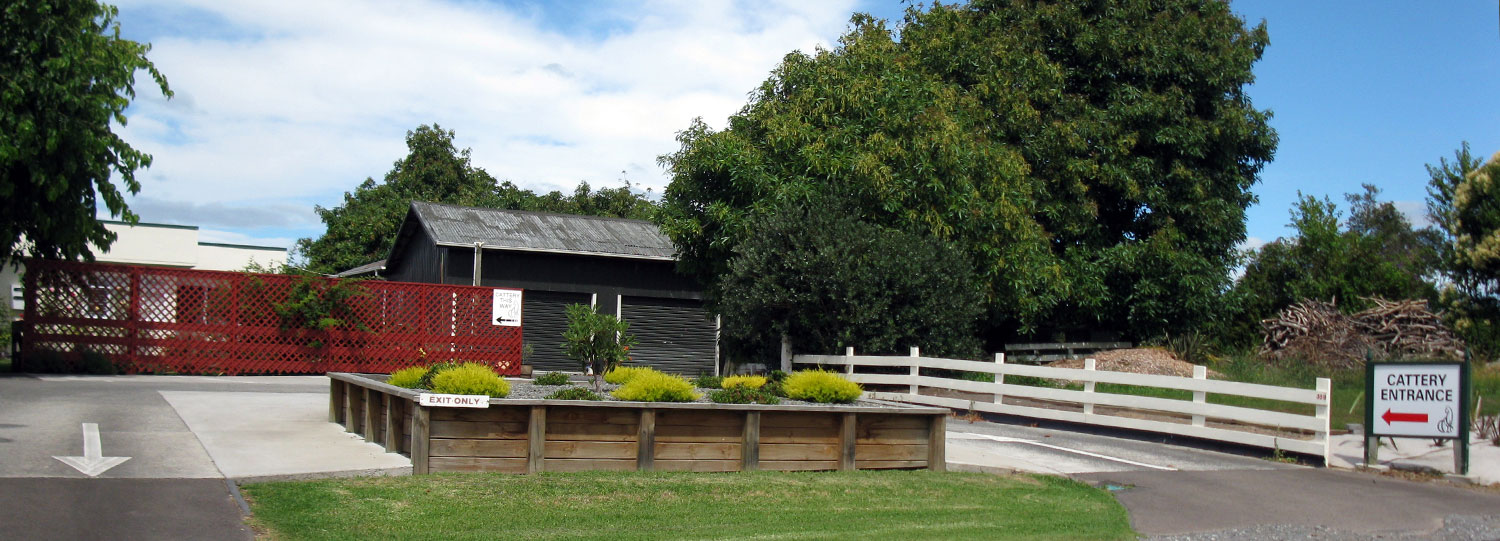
<point>453,400</point>
<point>507,308</point>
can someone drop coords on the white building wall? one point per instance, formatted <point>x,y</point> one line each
<point>233,257</point>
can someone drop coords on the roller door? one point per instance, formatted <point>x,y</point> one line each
<point>672,335</point>
<point>544,317</point>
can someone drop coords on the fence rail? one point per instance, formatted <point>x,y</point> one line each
<point>1234,424</point>
<point>149,319</point>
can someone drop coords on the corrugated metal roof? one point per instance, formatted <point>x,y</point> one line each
<point>543,232</point>
<point>367,268</point>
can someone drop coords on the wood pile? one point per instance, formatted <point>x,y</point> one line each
<point>1318,332</point>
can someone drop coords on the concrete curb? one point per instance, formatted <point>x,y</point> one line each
<point>309,476</point>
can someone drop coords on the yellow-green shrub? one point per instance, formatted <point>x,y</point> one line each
<point>409,378</point>
<point>471,378</point>
<point>656,387</point>
<point>748,382</point>
<point>623,374</point>
<point>821,386</point>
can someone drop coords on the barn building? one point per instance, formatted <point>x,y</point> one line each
<point>622,267</point>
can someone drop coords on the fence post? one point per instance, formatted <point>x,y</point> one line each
<point>1199,397</point>
<point>999,378</point>
<point>1321,411</point>
<point>849,360</point>
<point>916,369</point>
<point>786,354</point>
<point>1088,387</point>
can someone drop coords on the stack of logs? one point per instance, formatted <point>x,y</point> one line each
<point>1316,331</point>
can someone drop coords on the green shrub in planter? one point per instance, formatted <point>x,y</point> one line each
<point>408,378</point>
<point>432,371</point>
<point>657,387</point>
<point>748,382</point>
<point>551,378</point>
<point>471,378</point>
<point>574,393</point>
<point>776,376</point>
<point>743,395</point>
<point>821,386</point>
<point>623,374</point>
<point>709,382</point>
<point>774,389</point>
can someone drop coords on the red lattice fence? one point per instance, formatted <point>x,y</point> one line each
<point>155,320</point>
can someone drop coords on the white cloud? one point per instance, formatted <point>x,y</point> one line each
<point>1251,243</point>
<point>1415,213</point>
<point>281,101</point>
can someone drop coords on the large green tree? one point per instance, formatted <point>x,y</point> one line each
<point>1464,201</point>
<point>65,75</point>
<point>827,280</point>
<point>362,229</point>
<point>1090,159</point>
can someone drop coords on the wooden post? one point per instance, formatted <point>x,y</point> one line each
<point>849,359</point>
<point>786,354</point>
<point>750,443</point>
<point>335,401</point>
<point>1088,387</point>
<point>916,369</point>
<point>421,426</point>
<point>393,411</point>
<point>372,413</point>
<point>999,378</point>
<point>1199,397</point>
<point>846,442</point>
<point>645,453</point>
<point>536,439</point>
<point>351,408</point>
<point>937,443</point>
<point>1321,411</point>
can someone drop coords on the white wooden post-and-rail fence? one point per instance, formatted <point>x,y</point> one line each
<point>1199,409</point>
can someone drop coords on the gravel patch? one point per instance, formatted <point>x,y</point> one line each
<point>1455,528</point>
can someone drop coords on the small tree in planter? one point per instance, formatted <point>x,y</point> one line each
<point>599,341</point>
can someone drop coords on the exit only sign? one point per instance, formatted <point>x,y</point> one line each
<point>1416,400</point>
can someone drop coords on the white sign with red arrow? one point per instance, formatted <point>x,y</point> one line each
<point>1418,400</point>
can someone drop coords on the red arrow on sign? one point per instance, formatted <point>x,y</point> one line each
<point>1403,417</point>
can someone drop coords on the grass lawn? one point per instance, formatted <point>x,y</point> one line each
<point>628,505</point>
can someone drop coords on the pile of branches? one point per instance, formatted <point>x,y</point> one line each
<point>1318,332</point>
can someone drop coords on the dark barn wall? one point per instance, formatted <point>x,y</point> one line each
<point>421,261</point>
<point>664,308</point>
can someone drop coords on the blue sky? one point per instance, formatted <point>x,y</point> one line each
<point>284,105</point>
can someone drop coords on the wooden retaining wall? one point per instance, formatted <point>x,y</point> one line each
<point>529,436</point>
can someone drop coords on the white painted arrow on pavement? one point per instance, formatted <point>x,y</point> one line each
<point>92,463</point>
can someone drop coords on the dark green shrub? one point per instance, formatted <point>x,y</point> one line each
<point>776,376</point>
<point>708,382</point>
<point>743,395</point>
<point>574,393</point>
<point>409,377</point>
<point>774,388</point>
<point>471,378</point>
<point>657,387</point>
<point>821,386</point>
<point>550,378</point>
<point>98,363</point>
<point>432,372</point>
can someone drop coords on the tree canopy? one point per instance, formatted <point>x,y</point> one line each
<point>1464,201</point>
<point>362,229</point>
<point>1091,161</point>
<point>65,75</point>
<point>828,281</point>
<point>1374,253</point>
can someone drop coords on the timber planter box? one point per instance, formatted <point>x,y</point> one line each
<point>528,435</point>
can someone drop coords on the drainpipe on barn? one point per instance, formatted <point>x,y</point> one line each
<point>478,255</point>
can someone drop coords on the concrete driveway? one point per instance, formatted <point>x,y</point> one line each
<point>184,440</point>
<point>1226,493</point>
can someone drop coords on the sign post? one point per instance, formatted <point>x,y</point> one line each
<point>1418,400</point>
